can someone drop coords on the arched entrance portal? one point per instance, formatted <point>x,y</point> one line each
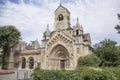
<point>59,58</point>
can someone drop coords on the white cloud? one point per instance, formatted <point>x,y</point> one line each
<point>98,17</point>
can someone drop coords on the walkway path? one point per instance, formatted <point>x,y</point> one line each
<point>21,75</point>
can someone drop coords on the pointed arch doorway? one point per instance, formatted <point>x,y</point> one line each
<point>59,57</point>
<point>62,64</point>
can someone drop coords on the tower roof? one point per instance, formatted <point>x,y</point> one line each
<point>61,7</point>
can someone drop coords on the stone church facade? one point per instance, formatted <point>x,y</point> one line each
<point>60,49</point>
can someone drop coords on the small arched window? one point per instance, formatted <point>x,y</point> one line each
<point>77,32</point>
<point>23,63</point>
<point>68,18</point>
<point>31,63</point>
<point>60,17</point>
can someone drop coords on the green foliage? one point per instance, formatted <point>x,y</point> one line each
<point>82,74</point>
<point>91,74</point>
<point>117,27</point>
<point>114,70</point>
<point>89,60</point>
<point>108,52</point>
<point>9,36</point>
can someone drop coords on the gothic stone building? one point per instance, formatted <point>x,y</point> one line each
<point>60,49</point>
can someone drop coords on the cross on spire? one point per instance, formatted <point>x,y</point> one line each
<point>60,2</point>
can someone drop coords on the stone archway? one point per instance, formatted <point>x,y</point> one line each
<point>59,58</point>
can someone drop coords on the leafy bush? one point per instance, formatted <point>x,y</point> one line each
<point>97,75</point>
<point>89,60</point>
<point>115,70</point>
<point>85,74</point>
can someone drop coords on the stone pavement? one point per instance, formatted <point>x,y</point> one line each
<point>21,75</point>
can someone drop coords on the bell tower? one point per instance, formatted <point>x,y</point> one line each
<point>62,18</point>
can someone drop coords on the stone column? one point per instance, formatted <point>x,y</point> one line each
<point>20,65</point>
<point>27,65</point>
<point>35,64</point>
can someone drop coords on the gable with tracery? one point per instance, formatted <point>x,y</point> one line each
<point>59,37</point>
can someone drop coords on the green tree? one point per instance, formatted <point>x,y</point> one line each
<point>118,26</point>
<point>9,36</point>
<point>108,52</point>
<point>89,60</point>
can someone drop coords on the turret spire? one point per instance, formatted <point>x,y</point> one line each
<point>47,30</point>
<point>77,19</point>
<point>47,26</point>
<point>46,34</point>
<point>77,23</point>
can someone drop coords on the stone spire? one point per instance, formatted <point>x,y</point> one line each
<point>77,23</point>
<point>47,32</point>
<point>78,29</point>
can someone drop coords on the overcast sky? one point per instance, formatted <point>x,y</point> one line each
<point>31,17</point>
